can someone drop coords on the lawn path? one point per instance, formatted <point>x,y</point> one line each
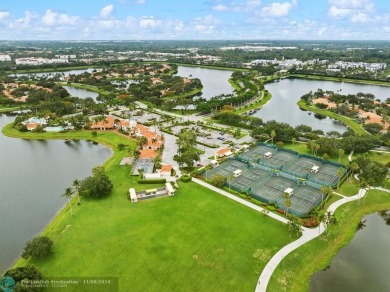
<point>307,233</point>
<point>239,200</point>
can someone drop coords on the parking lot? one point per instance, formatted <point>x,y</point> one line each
<point>206,135</point>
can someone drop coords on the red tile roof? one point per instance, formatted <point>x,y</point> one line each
<point>147,154</point>
<point>165,168</point>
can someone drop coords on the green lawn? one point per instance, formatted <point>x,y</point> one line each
<point>8,109</point>
<point>295,271</point>
<point>338,79</point>
<point>302,148</point>
<point>381,157</point>
<point>196,240</point>
<point>260,102</point>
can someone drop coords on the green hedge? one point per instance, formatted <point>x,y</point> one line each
<point>152,181</point>
<point>185,178</point>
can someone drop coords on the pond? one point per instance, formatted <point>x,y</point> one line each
<point>286,93</point>
<point>363,264</point>
<point>215,82</point>
<point>80,93</point>
<point>63,73</point>
<point>33,175</point>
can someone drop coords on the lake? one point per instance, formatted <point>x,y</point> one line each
<point>286,93</point>
<point>363,264</point>
<point>63,73</point>
<point>80,93</point>
<point>215,82</point>
<point>33,175</point>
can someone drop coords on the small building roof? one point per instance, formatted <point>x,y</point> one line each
<point>133,195</point>
<point>289,191</point>
<point>147,154</point>
<point>268,154</point>
<point>237,171</point>
<point>315,167</point>
<point>166,167</point>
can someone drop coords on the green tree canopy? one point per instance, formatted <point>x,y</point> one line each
<point>96,186</point>
<point>38,247</point>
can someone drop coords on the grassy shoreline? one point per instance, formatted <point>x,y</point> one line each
<point>132,235</point>
<point>259,103</point>
<point>84,86</point>
<point>338,79</point>
<point>323,249</point>
<point>346,121</point>
<point>48,70</point>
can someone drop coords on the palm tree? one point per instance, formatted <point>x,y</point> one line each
<point>294,225</point>
<point>324,190</point>
<point>76,185</point>
<point>340,173</point>
<point>329,218</point>
<point>273,134</point>
<point>287,202</point>
<point>320,219</point>
<point>293,142</point>
<point>229,179</point>
<point>316,147</point>
<point>68,194</point>
<point>341,153</point>
<point>363,185</point>
<point>354,167</point>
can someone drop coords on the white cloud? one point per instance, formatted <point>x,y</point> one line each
<point>28,18</point>
<point>278,9</point>
<point>356,10</point>
<point>107,11</point>
<point>321,31</point>
<point>338,12</point>
<point>139,2</point>
<point>220,7</point>
<point>52,18</point>
<point>238,6</point>
<point>4,14</point>
<point>147,22</point>
<point>351,4</point>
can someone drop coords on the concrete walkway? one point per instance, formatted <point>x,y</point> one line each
<point>307,235</point>
<point>239,200</point>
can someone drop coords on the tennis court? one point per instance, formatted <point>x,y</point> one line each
<point>278,159</point>
<point>257,152</point>
<point>248,178</point>
<point>271,190</point>
<point>257,177</point>
<point>327,174</point>
<point>300,167</point>
<point>225,168</point>
<point>303,199</point>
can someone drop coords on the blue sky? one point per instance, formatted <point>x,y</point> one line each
<point>194,19</point>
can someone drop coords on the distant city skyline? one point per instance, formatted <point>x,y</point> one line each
<point>195,20</point>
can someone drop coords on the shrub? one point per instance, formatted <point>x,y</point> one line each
<point>271,208</point>
<point>185,178</point>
